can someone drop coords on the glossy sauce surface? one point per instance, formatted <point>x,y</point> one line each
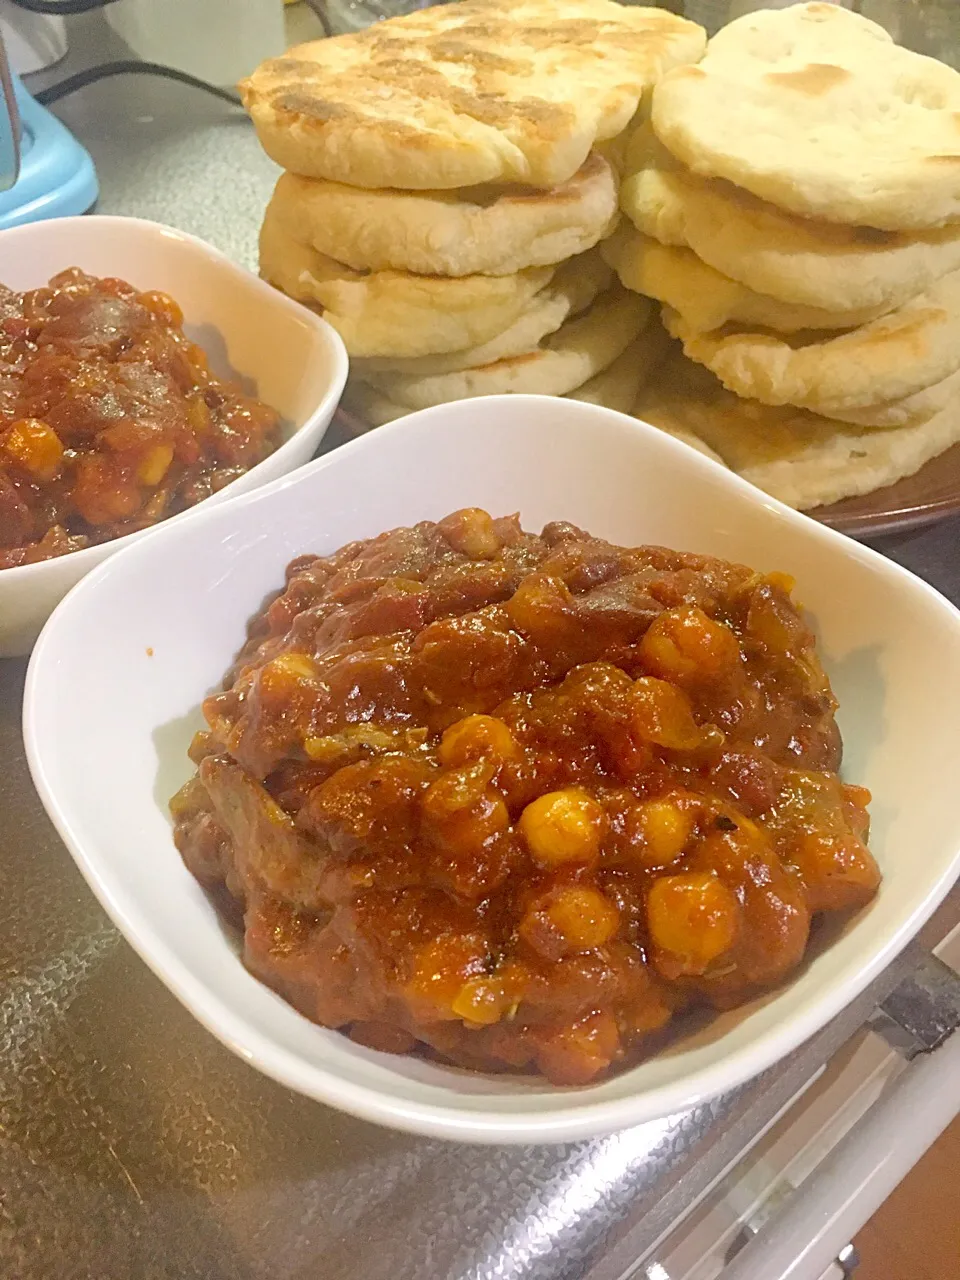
<point>519,800</point>
<point>110,418</point>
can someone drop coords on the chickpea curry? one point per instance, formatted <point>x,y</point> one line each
<point>517,801</point>
<point>110,418</point>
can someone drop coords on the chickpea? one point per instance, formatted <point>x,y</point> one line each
<point>471,532</point>
<point>155,464</point>
<point>662,714</point>
<point>693,919</point>
<point>474,738</point>
<point>481,1001</point>
<point>563,826</point>
<point>574,918</point>
<point>542,609</point>
<point>462,812</point>
<point>455,791</point>
<point>163,307</point>
<point>660,830</point>
<point>35,446</point>
<point>685,645</point>
<point>837,869</point>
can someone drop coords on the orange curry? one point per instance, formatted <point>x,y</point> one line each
<point>110,418</point>
<point>519,800</point>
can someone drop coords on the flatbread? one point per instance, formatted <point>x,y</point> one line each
<point>578,350</point>
<point>616,387</point>
<point>395,313</point>
<point>817,264</point>
<point>571,291</point>
<point>483,230</point>
<point>368,405</point>
<point>704,297</point>
<point>916,408</point>
<point>801,458</point>
<point>815,109</point>
<point>898,355</point>
<point>461,94</point>
<point>677,431</point>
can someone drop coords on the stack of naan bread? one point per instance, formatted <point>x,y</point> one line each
<point>449,175</point>
<point>794,204</point>
<point>450,203</point>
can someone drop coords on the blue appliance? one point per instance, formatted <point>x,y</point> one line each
<point>56,175</point>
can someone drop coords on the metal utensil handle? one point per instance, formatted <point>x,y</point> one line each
<point>13,116</point>
<point>921,1021</point>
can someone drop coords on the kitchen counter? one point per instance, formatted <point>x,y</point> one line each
<point>132,1144</point>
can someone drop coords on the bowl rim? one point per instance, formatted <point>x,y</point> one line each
<point>338,352</point>
<point>559,1122</point>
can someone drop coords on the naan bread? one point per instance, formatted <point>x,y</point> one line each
<point>801,458</point>
<point>895,356</point>
<point>369,406</point>
<point>916,408</point>
<point>705,298</point>
<point>614,387</point>
<point>815,264</point>
<point>571,291</point>
<point>578,350</point>
<point>484,230</point>
<point>395,313</point>
<point>677,432</point>
<point>815,109</point>
<point>616,150</point>
<point>477,92</point>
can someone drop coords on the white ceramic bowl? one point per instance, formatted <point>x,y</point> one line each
<point>107,725</point>
<point>287,356</point>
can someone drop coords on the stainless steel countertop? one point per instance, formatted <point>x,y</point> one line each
<point>132,1144</point>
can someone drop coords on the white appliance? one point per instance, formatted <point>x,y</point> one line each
<point>218,40</point>
<point>34,41</point>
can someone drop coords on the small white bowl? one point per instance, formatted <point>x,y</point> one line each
<point>287,356</point>
<point>117,676</point>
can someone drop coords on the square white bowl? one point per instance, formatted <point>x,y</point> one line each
<point>118,674</point>
<point>281,352</point>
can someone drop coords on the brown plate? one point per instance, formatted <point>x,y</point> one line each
<point>930,495</point>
